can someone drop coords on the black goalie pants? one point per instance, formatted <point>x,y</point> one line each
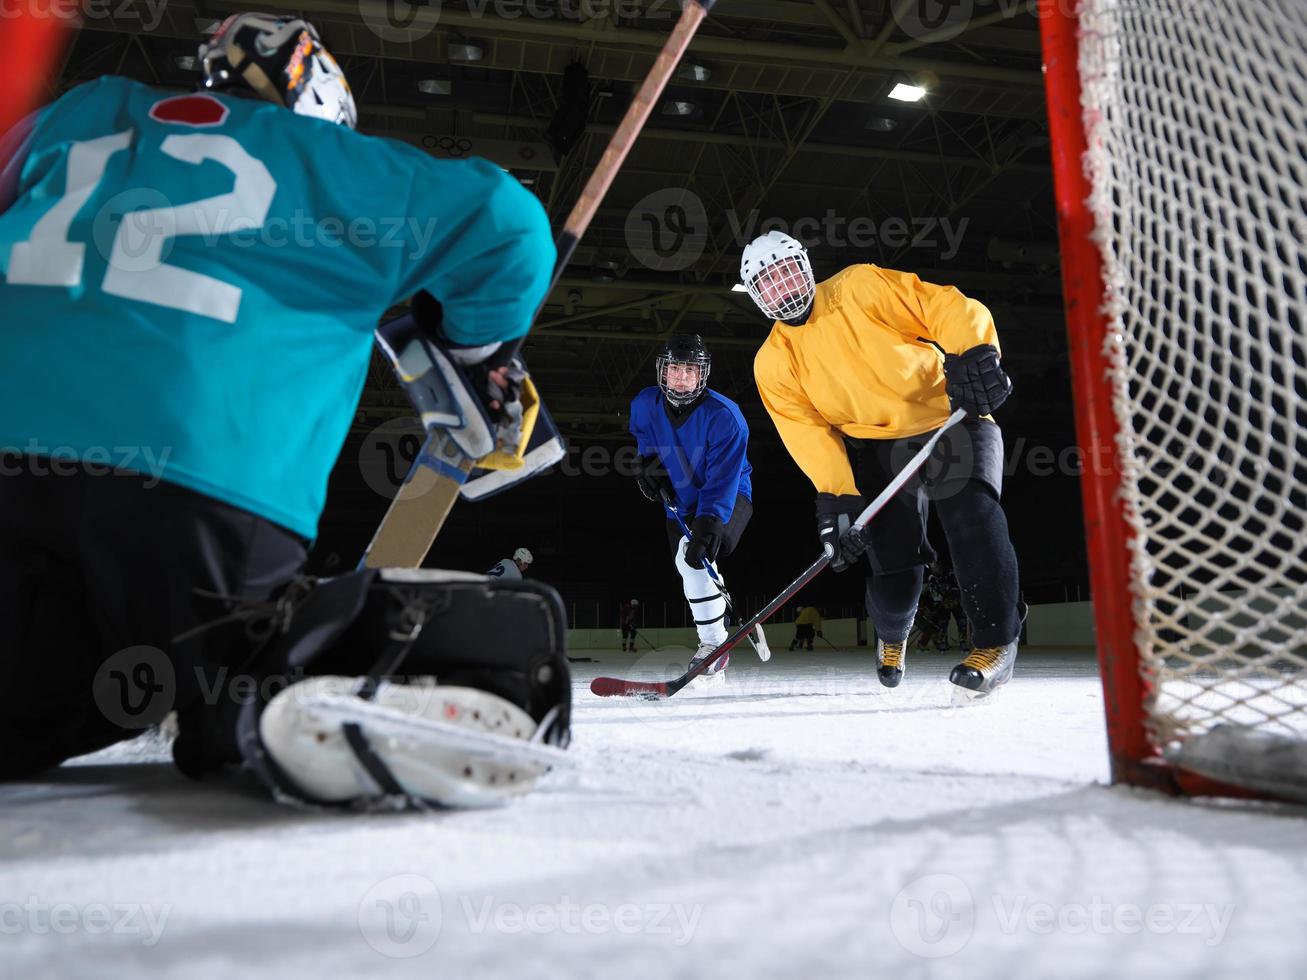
<point>101,576</point>
<point>963,479</point>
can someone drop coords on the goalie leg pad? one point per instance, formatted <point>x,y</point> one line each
<point>456,746</point>
<point>391,628</point>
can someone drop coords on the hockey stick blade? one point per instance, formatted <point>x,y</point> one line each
<point>607,687</point>
<point>611,687</point>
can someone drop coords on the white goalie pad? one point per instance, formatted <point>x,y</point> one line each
<point>450,746</point>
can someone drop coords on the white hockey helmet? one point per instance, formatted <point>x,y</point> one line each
<point>281,59</point>
<point>635,602</point>
<point>775,270</point>
<point>522,555</point>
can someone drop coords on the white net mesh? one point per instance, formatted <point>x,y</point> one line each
<point>1197,128</point>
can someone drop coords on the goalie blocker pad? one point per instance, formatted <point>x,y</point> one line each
<point>441,391</point>
<point>412,688</point>
<point>445,398</point>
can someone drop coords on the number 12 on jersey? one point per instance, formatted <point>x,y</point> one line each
<point>136,269</point>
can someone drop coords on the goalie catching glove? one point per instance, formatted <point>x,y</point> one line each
<point>975,380</point>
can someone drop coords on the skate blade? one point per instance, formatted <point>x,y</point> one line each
<point>707,684</point>
<point>963,696</point>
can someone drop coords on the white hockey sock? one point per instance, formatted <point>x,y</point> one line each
<point>707,605</point>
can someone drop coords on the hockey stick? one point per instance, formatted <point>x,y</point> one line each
<point>652,645</point>
<point>607,687</point>
<point>757,639</point>
<point>427,495</point>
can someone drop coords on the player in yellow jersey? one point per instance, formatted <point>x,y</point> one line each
<point>857,372</point>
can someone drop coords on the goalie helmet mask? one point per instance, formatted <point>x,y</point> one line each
<point>282,60</point>
<point>775,270</point>
<point>680,385</point>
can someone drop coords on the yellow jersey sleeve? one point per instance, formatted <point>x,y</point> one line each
<point>939,313</point>
<point>815,446</point>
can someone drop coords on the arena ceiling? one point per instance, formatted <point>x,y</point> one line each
<point>780,117</point>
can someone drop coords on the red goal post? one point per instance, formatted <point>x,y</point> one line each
<point>32,36</point>
<point>1178,169</point>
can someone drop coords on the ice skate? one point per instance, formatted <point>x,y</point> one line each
<point>714,678</point>
<point>891,658</point>
<point>984,671</point>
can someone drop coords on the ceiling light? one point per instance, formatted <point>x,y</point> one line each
<point>679,108</point>
<point>466,52</point>
<point>186,62</point>
<point>739,287</point>
<point>691,72</point>
<point>907,93</point>
<point>881,124</point>
<point>434,86</point>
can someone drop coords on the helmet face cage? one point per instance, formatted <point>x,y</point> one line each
<point>784,289</point>
<point>700,360</point>
<point>281,60</point>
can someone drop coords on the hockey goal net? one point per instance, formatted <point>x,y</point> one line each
<point>1179,132</point>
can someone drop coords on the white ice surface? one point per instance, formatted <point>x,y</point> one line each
<point>804,822</point>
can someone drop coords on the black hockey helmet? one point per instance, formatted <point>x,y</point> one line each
<point>684,349</point>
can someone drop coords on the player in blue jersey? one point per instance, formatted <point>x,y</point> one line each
<point>692,444</point>
<point>190,286</point>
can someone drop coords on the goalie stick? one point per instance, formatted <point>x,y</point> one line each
<point>757,639</point>
<point>607,687</point>
<point>419,509</point>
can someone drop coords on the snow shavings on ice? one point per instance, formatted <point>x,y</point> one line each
<point>802,819</point>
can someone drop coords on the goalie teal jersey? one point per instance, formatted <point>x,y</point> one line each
<point>191,284</point>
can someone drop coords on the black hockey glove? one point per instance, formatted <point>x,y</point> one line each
<point>705,540</point>
<point>651,476</point>
<point>975,381</point>
<point>835,516</point>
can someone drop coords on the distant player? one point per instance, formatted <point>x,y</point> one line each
<point>692,444</point>
<point>190,288</point>
<point>931,620</point>
<point>630,612</point>
<point>856,372</point>
<point>951,605</point>
<point>807,624</point>
<point>512,569</point>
